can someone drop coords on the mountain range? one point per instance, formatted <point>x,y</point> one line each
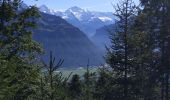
<point>87,21</point>
<point>75,35</point>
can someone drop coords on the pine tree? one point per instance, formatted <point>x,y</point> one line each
<point>118,56</point>
<point>158,15</point>
<point>142,51</point>
<point>52,78</point>
<point>104,88</point>
<point>18,52</point>
<point>75,87</point>
<point>89,80</point>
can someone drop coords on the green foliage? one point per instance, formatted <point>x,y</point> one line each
<point>18,53</point>
<point>75,87</point>
<point>89,81</point>
<point>119,55</point>
<point>138,59</point>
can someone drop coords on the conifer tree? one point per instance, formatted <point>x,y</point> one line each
<point>18,51</point>
<point>105,88</point>
<point>75,87</point>
<point>118,56</point>
<point>88,84</point>
<point>52,78</point>
<point>158,14</point>
<point>142,52</point>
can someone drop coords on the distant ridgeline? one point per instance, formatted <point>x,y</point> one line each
<point>96,25</point>
<point>87,21</point>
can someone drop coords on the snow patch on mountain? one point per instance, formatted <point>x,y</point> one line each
<point>87,21</point>
<point>104,19</point>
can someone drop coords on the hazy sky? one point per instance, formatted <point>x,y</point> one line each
<point>93,5</point>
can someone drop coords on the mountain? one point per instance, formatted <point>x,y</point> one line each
<point>87,21</point>
<point>66,41</point>
<point>45,9</point>
<point>102,37</point>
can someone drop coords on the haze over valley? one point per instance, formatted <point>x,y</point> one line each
<point>74,35</point>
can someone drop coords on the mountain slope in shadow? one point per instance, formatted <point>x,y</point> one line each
<point>66,42</point>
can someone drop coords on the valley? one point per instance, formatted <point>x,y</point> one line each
<point>74,35</point>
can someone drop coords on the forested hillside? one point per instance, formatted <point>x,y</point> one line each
<point>137,59</point>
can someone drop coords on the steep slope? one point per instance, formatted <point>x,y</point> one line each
<point>67,42</point>
<point>102,36</point>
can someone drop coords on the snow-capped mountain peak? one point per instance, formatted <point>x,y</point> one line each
<point>76,9</point>
<point>85,20</point>
<point>105,18</point>
<point>45,9</point>
<point>77,12</point>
